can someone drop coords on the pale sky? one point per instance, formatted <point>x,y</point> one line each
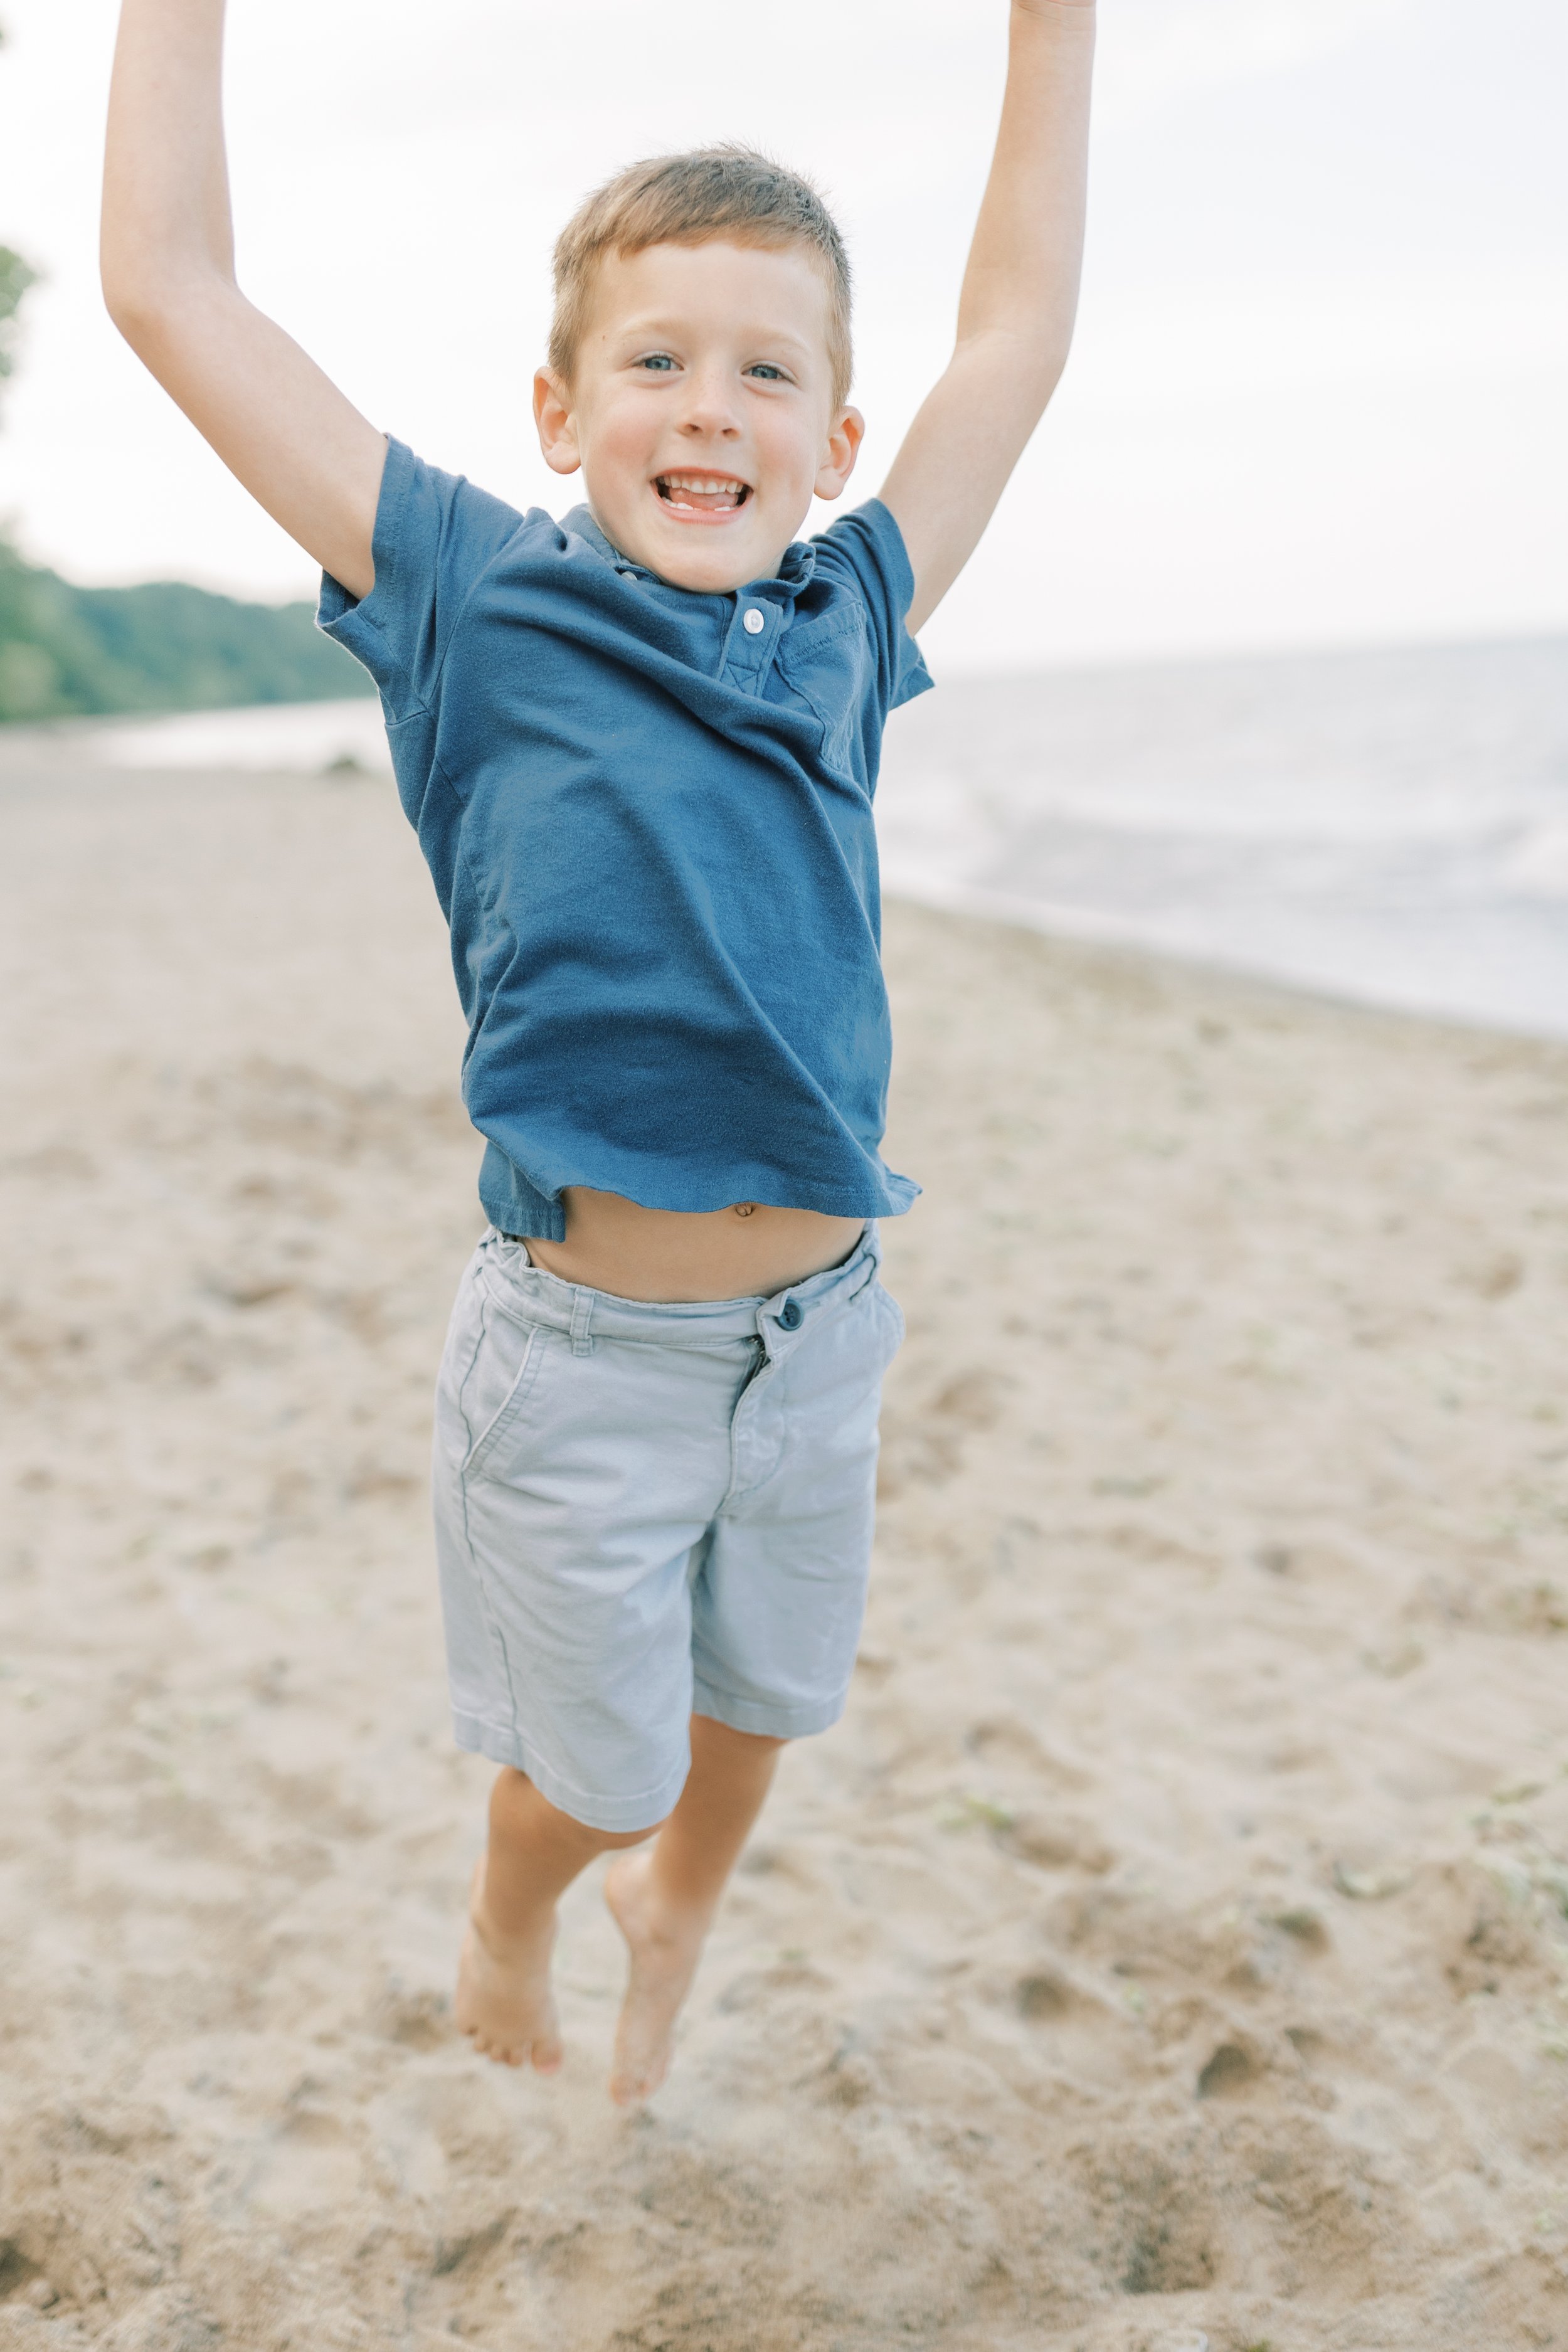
<point>1321,380</point>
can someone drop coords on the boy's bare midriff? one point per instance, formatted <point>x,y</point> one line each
<point>673,1255</point>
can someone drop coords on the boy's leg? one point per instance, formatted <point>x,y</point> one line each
<point>776,1614</point>
<point>504,2003</point>
<point>664,1900</point>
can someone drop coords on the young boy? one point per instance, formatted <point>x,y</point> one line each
<point>639,748</point>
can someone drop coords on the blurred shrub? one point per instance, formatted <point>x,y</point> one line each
<point>15,277</point>
<point>68,652</point>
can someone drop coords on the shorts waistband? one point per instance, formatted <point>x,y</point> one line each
<point>582,1313</point>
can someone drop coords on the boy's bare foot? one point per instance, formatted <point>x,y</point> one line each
<point>666,1947</point>
<point>504,2003</point>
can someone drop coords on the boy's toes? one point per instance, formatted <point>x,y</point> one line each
<point>546,2054</point>
<point>631,2090</point>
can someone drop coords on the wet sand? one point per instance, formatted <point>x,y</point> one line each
<point>1169,1945</point>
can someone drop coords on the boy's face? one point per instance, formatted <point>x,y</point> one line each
<point>701,408</point>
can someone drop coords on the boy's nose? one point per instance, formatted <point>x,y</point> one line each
<point>709,408</point>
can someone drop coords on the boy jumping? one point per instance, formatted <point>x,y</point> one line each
<point>639,747</point>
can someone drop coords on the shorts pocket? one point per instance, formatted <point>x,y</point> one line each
<point>501,1379</point>
<point>892,1316</point>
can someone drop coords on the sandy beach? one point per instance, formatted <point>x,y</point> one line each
<point>1170,1946</point>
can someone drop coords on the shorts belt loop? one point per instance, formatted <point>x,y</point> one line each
<point>582,1317</point>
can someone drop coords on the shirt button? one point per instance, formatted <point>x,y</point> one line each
<point>790,1315</point>
<point>753,620</point>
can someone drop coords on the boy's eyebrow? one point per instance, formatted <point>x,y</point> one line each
<point>640,330</point>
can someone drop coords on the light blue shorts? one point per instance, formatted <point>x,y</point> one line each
<point>645,1512</point>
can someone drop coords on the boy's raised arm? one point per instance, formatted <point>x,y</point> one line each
<point>1015,312</point>
<point>276,421</point>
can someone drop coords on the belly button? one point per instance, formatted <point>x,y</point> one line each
<point>745,1208</point>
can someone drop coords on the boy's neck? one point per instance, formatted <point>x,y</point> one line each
<point>792,572</point>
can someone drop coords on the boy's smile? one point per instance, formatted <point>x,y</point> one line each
<point>702,496</point>
<point>702,409</point>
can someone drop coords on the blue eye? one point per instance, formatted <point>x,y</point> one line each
<point>766,368</point>
<point>657,359</point>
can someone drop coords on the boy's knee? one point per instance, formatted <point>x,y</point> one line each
<point>612,1841</point>
<point>708,1728</point>
<point>519,1807</point>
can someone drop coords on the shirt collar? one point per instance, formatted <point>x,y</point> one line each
<point>795,567</point>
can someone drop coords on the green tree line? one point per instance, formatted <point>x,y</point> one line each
<point>68,652</point>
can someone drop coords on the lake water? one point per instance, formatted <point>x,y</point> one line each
<point>1389,825</point>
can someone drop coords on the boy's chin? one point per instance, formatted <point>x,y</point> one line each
<point>711,560</point>
<point>712,572</point>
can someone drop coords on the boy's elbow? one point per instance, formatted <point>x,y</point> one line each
<point>147,305</point>
<point>129,308</point>
<point>1045,354</point>
<point>1051,377</point>
<point>131,293</point>
<point>1030,364</point>
<point>1041,378</point>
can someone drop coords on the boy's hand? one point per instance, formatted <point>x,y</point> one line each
<point>1016,312</point>
<point>276,421</point>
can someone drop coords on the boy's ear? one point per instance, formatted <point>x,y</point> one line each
<point>557,423</point>
<point>845,436</point>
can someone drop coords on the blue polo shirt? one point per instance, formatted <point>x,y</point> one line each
<point>647,813</point>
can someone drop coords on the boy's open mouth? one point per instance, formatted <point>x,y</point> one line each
<point>714,494</point>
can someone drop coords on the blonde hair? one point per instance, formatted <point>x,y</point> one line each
<point>730,192</point>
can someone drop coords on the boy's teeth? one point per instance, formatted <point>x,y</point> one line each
<point>716,494</point>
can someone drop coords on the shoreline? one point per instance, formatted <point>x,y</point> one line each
<point>48,757</point>
<point>1078,927</point>
<point>1383,825</point>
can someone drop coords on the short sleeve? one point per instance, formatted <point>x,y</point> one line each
<point>866,549</point>
<point>436,535</point>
